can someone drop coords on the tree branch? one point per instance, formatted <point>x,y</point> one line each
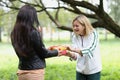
<point>77,11</point>
<point>83,4</point>
<point>101,6</point>
<point>98,24</point>
<point>55,21</point>
<point>11,7</point>
<point>57,12</point>
<point>49,15</point>
<point>28,3</point>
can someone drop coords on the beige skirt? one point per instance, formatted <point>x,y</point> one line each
<point>31,74</point>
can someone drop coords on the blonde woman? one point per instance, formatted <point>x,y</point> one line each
<point>85,50</point>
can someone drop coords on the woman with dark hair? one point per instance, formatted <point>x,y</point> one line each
<point>28,45</point>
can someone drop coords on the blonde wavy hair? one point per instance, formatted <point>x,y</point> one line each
<point>83,20</point>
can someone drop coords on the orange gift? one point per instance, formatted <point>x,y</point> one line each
<point>61,48</point>
<point>58,48</point>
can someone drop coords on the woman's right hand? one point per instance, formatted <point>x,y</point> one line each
<point>70,48</point>
<point>39,29</point>
<point>64,53</point>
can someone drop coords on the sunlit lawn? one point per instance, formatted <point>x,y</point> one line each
<point>61,68</point>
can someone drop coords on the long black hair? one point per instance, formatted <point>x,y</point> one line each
<point>26,21</point>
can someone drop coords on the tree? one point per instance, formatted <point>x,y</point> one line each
<point>115,10</point>
<point>97,12</point>
<point>0,34</point>
<point>1,16</point>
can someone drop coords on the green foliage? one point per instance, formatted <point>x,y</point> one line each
<point>115,10</point>
<point>7,23</point>
<point>61,68</point>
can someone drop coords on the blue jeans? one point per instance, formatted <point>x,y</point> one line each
<point>95,76</point>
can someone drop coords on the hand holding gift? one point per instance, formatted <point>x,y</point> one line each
<point>64,50</point>
<point>60,48</point>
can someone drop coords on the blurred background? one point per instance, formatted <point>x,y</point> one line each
<point>55,17</point>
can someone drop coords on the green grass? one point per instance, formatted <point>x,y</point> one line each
<point>110,51</point>
<point>61,68</point>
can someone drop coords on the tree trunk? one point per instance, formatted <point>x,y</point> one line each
<point>109,24</point>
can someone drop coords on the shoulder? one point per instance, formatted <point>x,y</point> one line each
<point>34,32</point>
<point>34,35</point>
<point>74,35</point>
<point>93,33</point>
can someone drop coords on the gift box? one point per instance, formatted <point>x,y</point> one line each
<point>61,48</point>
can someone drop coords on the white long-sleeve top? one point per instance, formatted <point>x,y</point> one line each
<point>90,62</point>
